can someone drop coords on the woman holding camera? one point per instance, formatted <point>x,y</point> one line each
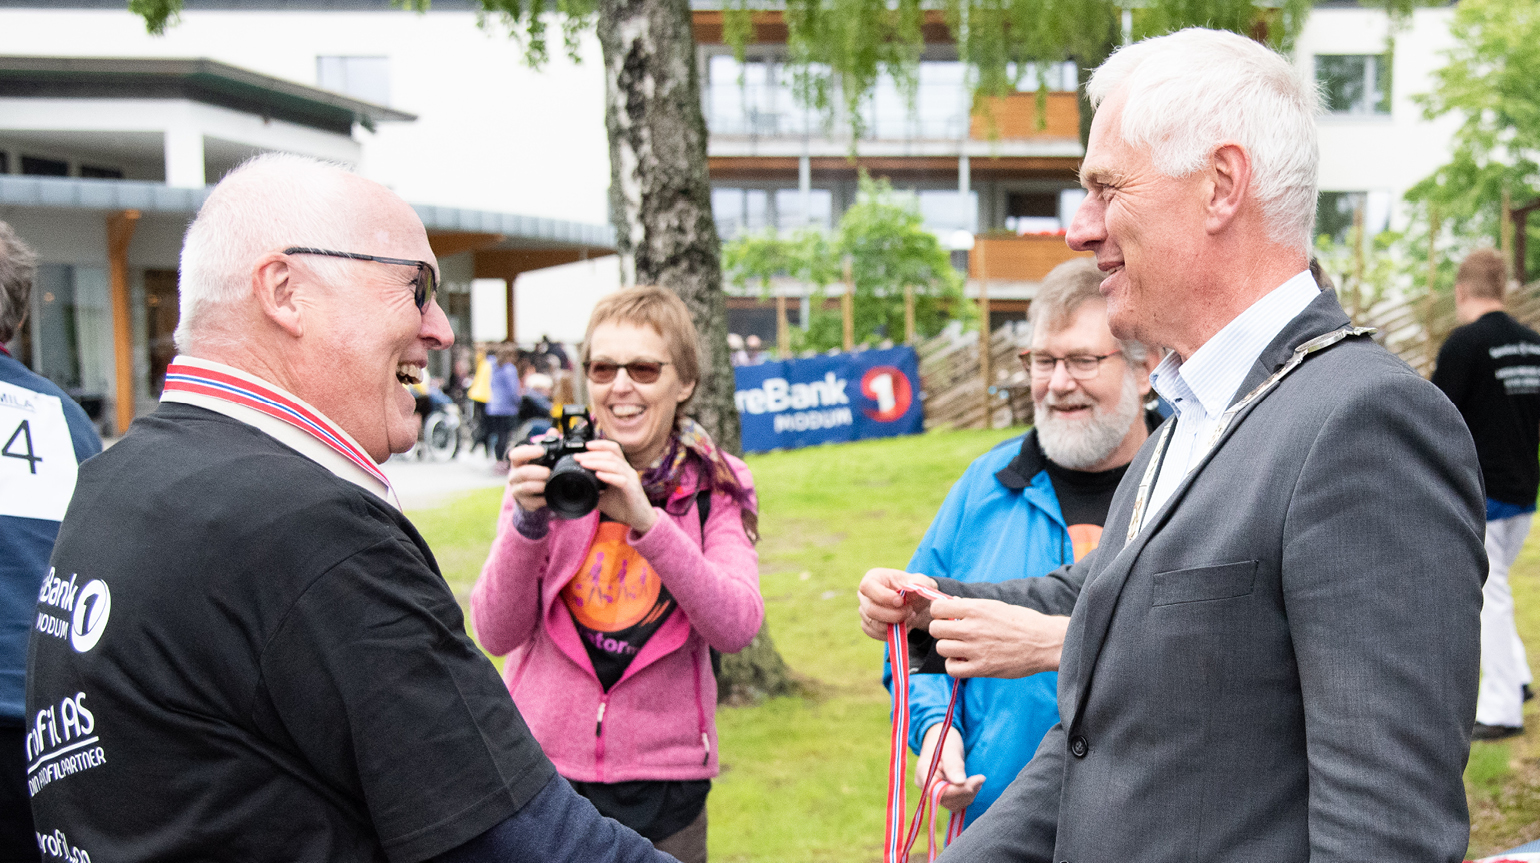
<point>609,618</point>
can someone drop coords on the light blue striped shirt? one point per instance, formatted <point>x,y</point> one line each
<point>1201,388</point>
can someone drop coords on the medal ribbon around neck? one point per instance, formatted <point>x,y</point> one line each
<point>218,385</point>
<point>897,843</point>
<point>1319,343</point>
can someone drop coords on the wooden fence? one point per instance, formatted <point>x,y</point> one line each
<point>953,391</point>
<point>1414,330</point>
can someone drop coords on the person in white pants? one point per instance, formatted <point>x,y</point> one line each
<point>1504,662</point>
<point>1490,369</point>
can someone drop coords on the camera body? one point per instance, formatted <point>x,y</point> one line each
<point>572,490</point>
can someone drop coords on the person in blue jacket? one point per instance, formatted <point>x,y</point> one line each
<point>1026,507</point>
<point>44,435</point>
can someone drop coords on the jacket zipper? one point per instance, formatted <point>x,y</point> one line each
<point>604,702</point>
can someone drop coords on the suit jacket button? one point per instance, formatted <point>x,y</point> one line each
<point>1078,747</point>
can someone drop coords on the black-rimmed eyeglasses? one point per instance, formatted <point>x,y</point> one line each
<point>424,285</point>
<point>1081,367</point>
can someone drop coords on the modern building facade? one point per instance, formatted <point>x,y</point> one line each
<point>110,138</point>
<point>992,171</point>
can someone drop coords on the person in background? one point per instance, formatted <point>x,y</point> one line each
<point>736,353</point>
<point>1024,508</point>
<point>555,354</point>
<point>535,406</point>
<point>609,619</point>
<point>753,350</point>
<point>264,662</point>
<point>503,406</point>
<point>46,436</point>
<point>1490,369</point>
<point>479,393</point>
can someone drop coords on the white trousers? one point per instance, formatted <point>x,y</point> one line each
<point>1504,663</point>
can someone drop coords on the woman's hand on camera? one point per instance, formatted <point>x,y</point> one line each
<point>623,498</point>
<point>525,480</point>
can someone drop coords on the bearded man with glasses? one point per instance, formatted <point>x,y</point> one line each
<point>250,653</point>
<point>1021,510</point>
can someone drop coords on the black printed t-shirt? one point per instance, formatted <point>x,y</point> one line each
<point>1490,369</point>
<point>259,661</point>
<point>1084,498</point>
<point>617,601</point>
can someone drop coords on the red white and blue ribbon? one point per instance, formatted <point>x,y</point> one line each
<point>229,388</point>
<point>897,842</point>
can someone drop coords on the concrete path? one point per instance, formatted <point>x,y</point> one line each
<point>426,484</point>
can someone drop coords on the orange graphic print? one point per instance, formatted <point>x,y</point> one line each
<point>615,588</point>
<point>1086,538</point>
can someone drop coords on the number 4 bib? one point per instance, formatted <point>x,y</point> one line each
<point>37,458</point>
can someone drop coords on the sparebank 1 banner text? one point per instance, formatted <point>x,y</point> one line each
<point>796,403</point>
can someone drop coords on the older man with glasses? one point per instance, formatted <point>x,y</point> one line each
<point>249,652</point>
<point>1021,510</point>
<point>1272,654</point>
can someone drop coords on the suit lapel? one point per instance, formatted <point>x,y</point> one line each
<point>1103,589</point>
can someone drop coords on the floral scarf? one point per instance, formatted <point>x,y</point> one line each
<point>660,480</point>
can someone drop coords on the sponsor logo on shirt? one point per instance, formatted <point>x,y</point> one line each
<point>56,844</point>
<point>68,610</point>
<point>1515,349</point>
<point>62,741</point>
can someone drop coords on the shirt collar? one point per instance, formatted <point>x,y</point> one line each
<point>1214,372</point>
<point>341,455</point>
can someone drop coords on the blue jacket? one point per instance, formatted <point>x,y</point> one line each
<point>1000,521</point>
<point>27,543</point>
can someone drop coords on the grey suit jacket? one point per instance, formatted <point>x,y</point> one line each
<point>1282,665</point>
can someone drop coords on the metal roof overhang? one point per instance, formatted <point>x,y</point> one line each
<point>452,229</point>
<point>199,80</point>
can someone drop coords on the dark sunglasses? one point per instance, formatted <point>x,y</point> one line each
<point>424,286</point>
<point>640,371</point>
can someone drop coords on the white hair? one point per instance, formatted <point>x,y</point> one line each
<point>269,203</point>
<point>1083,444</point>
<point>1190,91</point>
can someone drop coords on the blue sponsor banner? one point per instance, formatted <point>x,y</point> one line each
<point>829,399</point>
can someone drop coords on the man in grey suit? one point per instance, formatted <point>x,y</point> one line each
<point>1274,652</point>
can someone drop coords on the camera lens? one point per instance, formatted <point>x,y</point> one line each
<point>573,490</point>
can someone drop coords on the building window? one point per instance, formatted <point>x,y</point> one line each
<point>99,173</point>
<point>1335,213</point>
<point>71,332</point>
<point>740,211</point>
<point>366,78</point>
<point>1354,83</point>
<point>753,98</point>
<point>947,211</point>
<point>40,167</point>
<point>1032,212</point>
<point>788,209</point>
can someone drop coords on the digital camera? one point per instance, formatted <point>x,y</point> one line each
<point>573,490</point>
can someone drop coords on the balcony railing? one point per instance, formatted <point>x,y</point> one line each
<point>1018,259</point>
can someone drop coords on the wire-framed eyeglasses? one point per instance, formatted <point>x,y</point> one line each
<point>424,284</point>
<point>1081,367</point>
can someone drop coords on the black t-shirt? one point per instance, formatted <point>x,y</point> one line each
<point>244,658</point>
<point>1084,496</point>
<point>617,602</point>
<point>1490,369</point>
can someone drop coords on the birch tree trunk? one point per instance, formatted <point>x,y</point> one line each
<point>660,202</point>
<point>660,191</point>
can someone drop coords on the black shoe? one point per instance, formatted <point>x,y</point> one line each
<point>1495,732</point>
<point>1528,693</point>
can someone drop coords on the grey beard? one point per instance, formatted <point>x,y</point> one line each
<point>1078,445</point>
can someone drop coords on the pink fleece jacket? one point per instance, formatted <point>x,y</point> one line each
<point>658,721</point>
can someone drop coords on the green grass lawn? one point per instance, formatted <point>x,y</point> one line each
<point>803,779</point>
